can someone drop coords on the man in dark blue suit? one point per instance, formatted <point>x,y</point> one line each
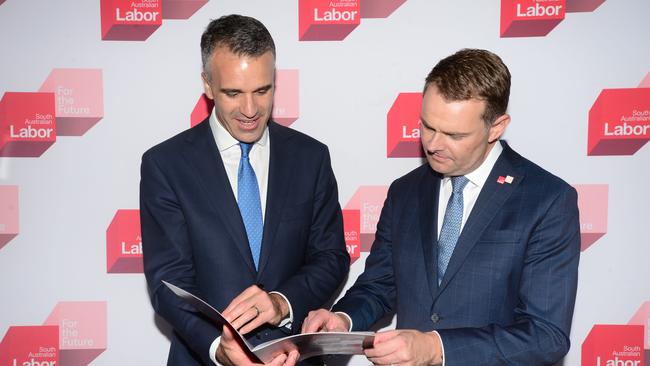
<point>477,251</point>
<point>239,210</point>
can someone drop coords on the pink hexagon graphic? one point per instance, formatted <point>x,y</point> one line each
<point>367,203</point>
<point>124,243</point>
<point>8,214</point>
<point>581,6</point>
<point>325,20</point>
<point>613,345</point>
<point>619,122</point>
<point>30,346</point>
<point>593,201</point>
<point>379,8</point>
<point>2,1</point>
<point>286,105</point>
<point>181,9</point>
<point>82,330</point>
<point>130,20</point>
<point>530,18</point>
<point>27,124</point>
<point>352,229</point>
<point>403,127</point>
<point>642,317</point>
<point>79,99</point>
<point>645,83</point>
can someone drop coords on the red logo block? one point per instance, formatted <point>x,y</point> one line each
<point>79,99</point>
<point>201,110</point>
<point>403,127</point>
<point>352,229</point>
<point>613,345</point>
<point>130,20</point>
<point>592,202</point>
<point>379,8</point>
<point>325,20</point>
<point>82,330</point>
<point>27,124</point>
<point>619,122</point>
<point>642,317</point>
<point>581,6</point>
<point>367,202</point>
<point>530,18</point>
<point>645,83</point>
<point>285,100</point>
<point>30,346</point>
<point>181,9</point>
<point>8,214</point>
<point>124,243</point>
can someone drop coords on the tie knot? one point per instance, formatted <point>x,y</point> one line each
<point>245,149</point>
<point>458,183</point>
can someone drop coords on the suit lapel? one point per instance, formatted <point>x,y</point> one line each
<point>428,208</point>
<point>490,200</point>
<point>279,181</point>
<point>204,156</point>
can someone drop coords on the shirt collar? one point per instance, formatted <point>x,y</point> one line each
<point>224,139</point>
<point>480,175</point>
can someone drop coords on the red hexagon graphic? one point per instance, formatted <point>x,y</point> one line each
<point>613,345</point>
<point>645,83</point>
<point>79,99</point>
<point>30,346</point>
<point>181,9</point>
<point>124,243</point>
<point>201,110</point>
<point>27,124</point>
<point>530,18</point>
<point>379,8</point>
<point>593,200</point>
<point>130,20</point>
<point>82,330</point>
<point>619,122</point>
<point>403,127</point>
<point>360,216</point>
<point>325,20</point>
<point>8,214</point>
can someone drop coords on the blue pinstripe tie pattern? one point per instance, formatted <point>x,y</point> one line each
<point>248,199</point>
<point>451,225</point>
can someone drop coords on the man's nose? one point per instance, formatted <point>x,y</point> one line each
<point>249,106</point>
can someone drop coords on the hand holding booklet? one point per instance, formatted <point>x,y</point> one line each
<point>307,344</point>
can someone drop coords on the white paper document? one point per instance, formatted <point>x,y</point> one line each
<point>307,344</point>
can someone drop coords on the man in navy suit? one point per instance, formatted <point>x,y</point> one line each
<point>239,210</point>
<point>477,251</point>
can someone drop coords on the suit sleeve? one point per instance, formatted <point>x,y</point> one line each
<point>374,293</point>
<point>326,262</point>
<point>168,256</point>
<point>539,334</point>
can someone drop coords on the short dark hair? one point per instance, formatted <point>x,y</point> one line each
<point>473,74</point>
<point>242,35</point>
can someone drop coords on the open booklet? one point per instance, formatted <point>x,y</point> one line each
<point>307,344</point>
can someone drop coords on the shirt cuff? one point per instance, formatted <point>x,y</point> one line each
<point>442,347</point>
<point>346,316</point>
<point>286,322</point>
<point>213,351</point>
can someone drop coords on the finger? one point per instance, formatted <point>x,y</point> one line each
<point>315,321</point>
<point>384,347</point>
<point>259,301</point>
<point>278,360</point>
<point>292,358</point>
<point>243,296</point>
<point>245,318</point>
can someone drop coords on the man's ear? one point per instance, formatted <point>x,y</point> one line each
<point>498,127</point>
<point>206,85</point>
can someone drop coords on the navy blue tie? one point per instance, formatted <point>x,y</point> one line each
<point>248,199</point>
<point>451,225</point>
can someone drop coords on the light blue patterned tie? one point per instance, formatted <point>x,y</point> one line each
<point>451,225</point>
<point>248,199</point>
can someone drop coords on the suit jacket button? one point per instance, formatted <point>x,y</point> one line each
<point>435,317</point>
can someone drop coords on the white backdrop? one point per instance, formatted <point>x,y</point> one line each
<point>69,195</point>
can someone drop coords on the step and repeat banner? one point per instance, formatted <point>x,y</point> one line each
<point>88,86</point>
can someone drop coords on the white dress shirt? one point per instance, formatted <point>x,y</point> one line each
<point>259,157</point>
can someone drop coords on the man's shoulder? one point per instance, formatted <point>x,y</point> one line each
<point>178,142</point>
<point>535,174</point>
<point>413,179</point>
<point>295,139</point>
